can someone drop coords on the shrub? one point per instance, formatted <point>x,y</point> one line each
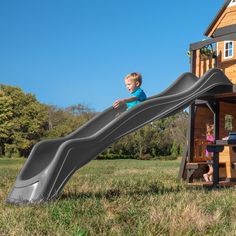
<point>167,158</point>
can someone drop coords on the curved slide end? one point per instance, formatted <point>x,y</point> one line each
<point>23,195</point>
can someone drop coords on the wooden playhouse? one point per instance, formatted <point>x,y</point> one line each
<point>219,50</point>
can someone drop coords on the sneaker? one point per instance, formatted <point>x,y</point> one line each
<point>205,176</point>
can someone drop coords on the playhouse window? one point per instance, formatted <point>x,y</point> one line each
<point>228,122</point>
<point>228,49</point>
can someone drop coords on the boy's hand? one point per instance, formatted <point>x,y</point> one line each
<point>117,103</point>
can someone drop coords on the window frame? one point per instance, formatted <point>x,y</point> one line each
<point>226,42</point>
<point>228,122</point>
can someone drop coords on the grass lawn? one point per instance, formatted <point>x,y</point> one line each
<point>121,197</point>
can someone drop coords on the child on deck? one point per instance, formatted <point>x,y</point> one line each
<point>209,138</point>
<point>133,82</point>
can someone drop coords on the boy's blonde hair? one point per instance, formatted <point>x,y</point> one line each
<point>135,77</point>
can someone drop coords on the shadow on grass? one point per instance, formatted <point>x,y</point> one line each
<point>151,190</point>
<point>115,193</point>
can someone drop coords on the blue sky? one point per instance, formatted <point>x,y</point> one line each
<point>78,51</point>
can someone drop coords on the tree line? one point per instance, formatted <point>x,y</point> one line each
<point>24,121</point>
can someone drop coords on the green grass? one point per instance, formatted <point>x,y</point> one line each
<point>121,197</point>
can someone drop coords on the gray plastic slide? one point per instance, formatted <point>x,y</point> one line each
<point>52,162</point>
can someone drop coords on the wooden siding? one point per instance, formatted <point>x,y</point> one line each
<point>228,156</point>
<point>203,115</point>
<point>202,64</point>
<point>227,65</point>
<point>230,109</point>
<point>226,19</point>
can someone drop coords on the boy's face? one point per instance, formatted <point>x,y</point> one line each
<point>131,85</point>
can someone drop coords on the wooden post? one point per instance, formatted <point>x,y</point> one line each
<point>193,62</point>
<point>191,132</point>
<point>191,112</point>
<point>189,149</point>
<point>216,154</point>
<point>216,119</point>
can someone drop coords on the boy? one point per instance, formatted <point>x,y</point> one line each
<point>133,82</point>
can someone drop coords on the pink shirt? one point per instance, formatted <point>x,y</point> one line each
<point>209,138</point>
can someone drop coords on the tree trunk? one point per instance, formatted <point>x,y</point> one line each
<point>140,150</point>
<point>1,150</point>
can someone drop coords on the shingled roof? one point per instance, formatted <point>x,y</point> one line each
<point>225,5</point>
